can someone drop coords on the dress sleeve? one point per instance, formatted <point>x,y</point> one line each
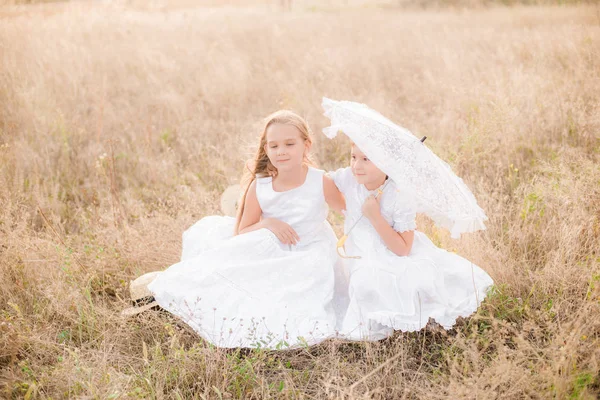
<point>404,216</point>
<point>342,178</point>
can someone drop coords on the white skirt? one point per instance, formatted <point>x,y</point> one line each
<point>250,290</point>
<point>388,292</point>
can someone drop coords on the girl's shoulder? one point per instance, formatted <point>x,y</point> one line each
<point>403,210</point>
<point>314,178</point>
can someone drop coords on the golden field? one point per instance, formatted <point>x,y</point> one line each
<point>121,123</point>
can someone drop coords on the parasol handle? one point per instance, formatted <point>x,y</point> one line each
<point>340,246</point>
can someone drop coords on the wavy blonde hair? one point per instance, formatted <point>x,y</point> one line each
<point>260,166</point>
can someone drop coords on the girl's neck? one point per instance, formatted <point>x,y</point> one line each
<point>291,179</point>
<point>374,185</point>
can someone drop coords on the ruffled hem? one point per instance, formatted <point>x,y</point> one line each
<point>405,227</point>
<point>447,321</point>
<point>459,225</point>
<point>378,326</point>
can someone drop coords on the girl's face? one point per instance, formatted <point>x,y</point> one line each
<point>285,147</point>
<point>365,172</point>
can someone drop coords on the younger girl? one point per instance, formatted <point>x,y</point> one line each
<point>265,279</point>
<point>401,278</point>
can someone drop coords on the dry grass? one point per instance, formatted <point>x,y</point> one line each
<point>120,125</point>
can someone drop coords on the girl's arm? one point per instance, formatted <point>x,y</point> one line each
<point>252,211</point>
<point>251,220</point>
<point>399,243</point>
<point>333,196</point>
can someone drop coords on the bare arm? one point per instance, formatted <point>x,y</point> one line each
<point>399,243</point>
<point>251,215</point>
<point>333,196</point>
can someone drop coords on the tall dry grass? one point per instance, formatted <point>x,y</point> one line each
<point>120,125</point>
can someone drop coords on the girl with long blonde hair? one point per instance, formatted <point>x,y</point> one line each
<point>265,278</point>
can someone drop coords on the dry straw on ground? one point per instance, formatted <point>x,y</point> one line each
<point>121,124</point>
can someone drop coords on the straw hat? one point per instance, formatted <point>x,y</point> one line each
<point>141,297</point>
<point>229,200</point>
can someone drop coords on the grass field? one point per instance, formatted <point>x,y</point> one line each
<point>121,123</point>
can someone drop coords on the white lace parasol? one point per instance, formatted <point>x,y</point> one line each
<point>440,194</point>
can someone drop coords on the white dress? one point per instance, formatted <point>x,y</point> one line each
<point>251,290</point>
<point>389,292</point>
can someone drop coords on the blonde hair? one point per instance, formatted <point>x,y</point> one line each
<point>261,166</point>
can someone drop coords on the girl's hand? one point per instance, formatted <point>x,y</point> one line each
<point>370,207</point>
<point>284,232</point>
